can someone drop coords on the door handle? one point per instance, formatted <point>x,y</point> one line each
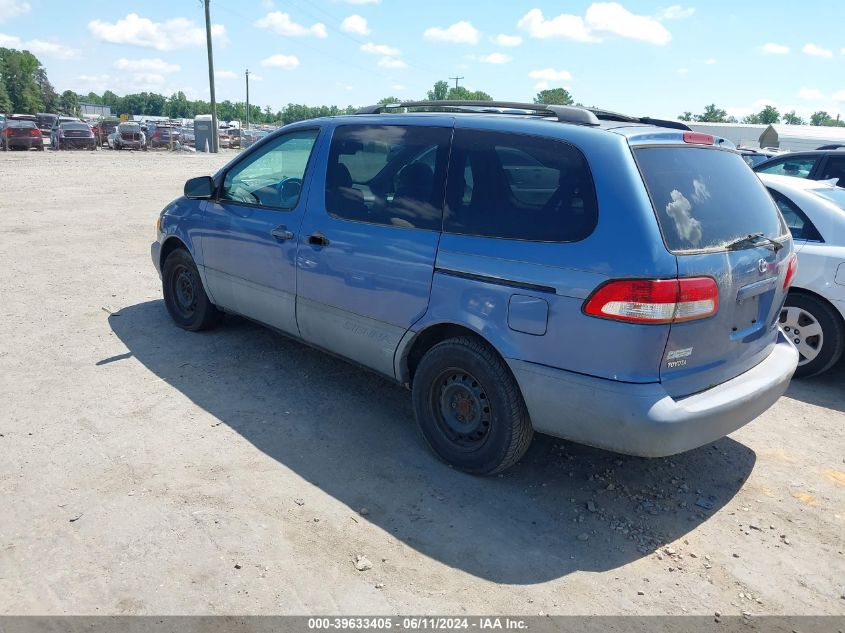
<point>318,239</point>
<point>281,233</point>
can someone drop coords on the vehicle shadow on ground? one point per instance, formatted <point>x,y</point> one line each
<point>823,391</point>
<point>563,508</point>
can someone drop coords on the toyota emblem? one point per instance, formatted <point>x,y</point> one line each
<point>763,266</point>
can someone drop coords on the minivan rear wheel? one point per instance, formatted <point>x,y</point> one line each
<point>816,329</point>
<point>184,296</point>
<point>469,408</point>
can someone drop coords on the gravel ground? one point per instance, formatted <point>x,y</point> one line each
<point>146,470</point>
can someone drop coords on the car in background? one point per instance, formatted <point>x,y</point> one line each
<point>613,281</point>
<point>186,136</point>
<point>103,128</point>
<point>751,156</point>
<point>74,135</point>
<point>814,313</point>
<point>127,135</point>
<point>253,136</point>
<point>45,122</point>
<point>59,120</point>
<point>163,136</point>
<point>813,165</point>
<point>234,136</point>
<point>20,134</point>
<point>23,117</point>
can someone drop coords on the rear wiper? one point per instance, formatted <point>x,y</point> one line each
<point>754,239</point>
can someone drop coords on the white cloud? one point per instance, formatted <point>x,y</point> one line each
<point>281,23</point>
<point>163,36</point>
<point>495,58</point>
<point>813,94</point>
<point>156,65</point>
<point>40,47</point>
<point>380,49</point>
<point>675,12</point>
<point>507,40</point>
<point>225,74</point>
<point>459,33</point>
<point>288,62</point>
<point>774,49</point>
<point>817,51</point>
<point>391,62</point>
<point>12,8</point>
<point>551,74</point>
<point>711,61</point>
<point>355,24</point>
<point>601,19</point>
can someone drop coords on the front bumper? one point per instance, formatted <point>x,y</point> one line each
<point>155,253</point>
<point>642,419</point>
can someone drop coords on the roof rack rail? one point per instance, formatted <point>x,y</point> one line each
<point>565,114</point>
<point>606,115</point>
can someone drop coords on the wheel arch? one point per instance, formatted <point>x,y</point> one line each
<point>413,348</point>
<point>170,244</point>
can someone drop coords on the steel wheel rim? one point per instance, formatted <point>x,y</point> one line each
<point>184,291</point>
<point>804,330</point>
<point>461,408</point>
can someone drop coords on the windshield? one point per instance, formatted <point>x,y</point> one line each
<point>75,126</point>
<point>706,198</point>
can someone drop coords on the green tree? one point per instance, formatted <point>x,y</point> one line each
<point>49,96</point>
<point>554,96</point>
<point>177,106</point>
<point>5,101</point>
<point>790,118</point>
<point>711,114</point>
<point>439,92</point>
<point>18,76</point>
<point>386,100</point>
<point>769,115</point>
<point>819,118</point>
<point>686,116</point>
<point>462,94</point>
<point>69,103</point>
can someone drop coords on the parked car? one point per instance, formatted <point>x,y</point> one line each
<point>128,135</point>
<point>814,165</point>
<point>252,136</point>
<point>74,135</point>
<point>814,314</point>
<point>103,128</point>
<point>23,117</point>
<point>186,136</point>
<point>54,130</point>
<point>593,277</point>
<point>17,134</point>
<point>751,156</point>
<point>163,136</point>
<point>45,122</point>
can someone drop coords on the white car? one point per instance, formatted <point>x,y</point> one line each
<point>814,314</point>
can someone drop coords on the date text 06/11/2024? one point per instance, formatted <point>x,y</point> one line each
<point>429,623</point>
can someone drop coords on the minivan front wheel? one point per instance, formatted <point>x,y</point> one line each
<point>817,331</point>
<point>184,295</point>
<point>469,408</point>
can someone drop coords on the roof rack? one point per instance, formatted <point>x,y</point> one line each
<point>566,114</point>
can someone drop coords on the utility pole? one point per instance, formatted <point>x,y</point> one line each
<point>247,98</point>
<point>215,140</point>
<point>457,79</point>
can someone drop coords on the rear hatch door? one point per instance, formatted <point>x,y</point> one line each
<point>708,202</point>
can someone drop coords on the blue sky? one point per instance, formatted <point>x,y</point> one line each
<point>646,58</point>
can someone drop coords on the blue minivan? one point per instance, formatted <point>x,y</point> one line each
<point>610,280</point>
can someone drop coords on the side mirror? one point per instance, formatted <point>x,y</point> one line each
<point>201,188</point>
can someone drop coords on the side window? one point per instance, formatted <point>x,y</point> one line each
<point>834,168</point>
<point>519,187</point>
<point>797,167</point>
<point>272,176</point>
<point>388,174</point>
<point>798,223</point>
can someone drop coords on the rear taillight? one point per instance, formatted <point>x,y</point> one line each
<point>790,270</point>
<point>655,300</point>
<point>699,138</point>
<point>35,132</point>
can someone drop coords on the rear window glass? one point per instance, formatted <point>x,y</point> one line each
<point>75,126</point>
<point>706,198</point>
<point>798,167</point>
<point>14,123</point>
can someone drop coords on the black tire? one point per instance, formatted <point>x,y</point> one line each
<point>829,345</point>
<point>184,296</point>
<point>469,407</point>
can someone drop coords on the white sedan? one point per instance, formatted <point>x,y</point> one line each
<point>814,314</point>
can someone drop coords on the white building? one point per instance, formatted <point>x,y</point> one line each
<point>788,137</point>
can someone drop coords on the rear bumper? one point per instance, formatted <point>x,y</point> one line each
<point>77,142</point>
<point>642,419</point>
<point>14,143</point>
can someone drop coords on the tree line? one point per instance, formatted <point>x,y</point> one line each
<point>767,116</point>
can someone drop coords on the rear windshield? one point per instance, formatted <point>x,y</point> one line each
<point>75,126</point>
<point>706,198</point>
<point>14,123</point>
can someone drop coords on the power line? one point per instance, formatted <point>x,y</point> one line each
<point>457,79</point>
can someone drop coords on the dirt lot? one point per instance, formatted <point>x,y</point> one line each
<point>144,469</point>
